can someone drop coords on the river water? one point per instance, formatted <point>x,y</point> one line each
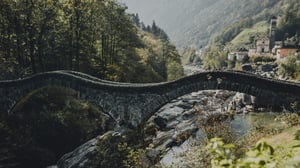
<point>240,126</point>
<point>179,116</point>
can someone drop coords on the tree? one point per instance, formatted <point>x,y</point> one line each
<point>214,58</point>
<point>92,36</point>
<point>289,67</point>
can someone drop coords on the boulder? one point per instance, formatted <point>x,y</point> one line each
<point>84,156</point>
<point>267,67</point>
<point>80,157</point>
<point>243,99</point>
<point>247,67</point>
<point>160,122</point>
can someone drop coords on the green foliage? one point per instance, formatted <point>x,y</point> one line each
<point>111,150</point>
<point>260,59</point>
<point>195,23</point>
<point>245,31</point>
<point>215,125</point>
<point>95,37</point>
<point>162,57</point>
<point>116,150</point>
<point>218,126</point>
<point>232,31</point>
<point>291,119</point>
<point>285,154</point>
<point>262,155</point>
<point>189,56</point>
<point>175,71</point>
<point>49,123</point>
<point>289,22</point>
<point>222,154</point>
<point>295,106</point>
<point>297,135</point>
<point>134,158</point>
<point>183,136</point>
<point>9,68</point>
<point>247,36</point>
<point>214,58</point>
<point>290,67</point>
<point>138,158</point>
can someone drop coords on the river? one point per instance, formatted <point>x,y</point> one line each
<point>179,119</point>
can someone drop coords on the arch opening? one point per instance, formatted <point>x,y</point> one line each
<point>51,121</point>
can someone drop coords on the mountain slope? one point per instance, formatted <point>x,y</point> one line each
<point>244,32</point>
<point>194,23</point>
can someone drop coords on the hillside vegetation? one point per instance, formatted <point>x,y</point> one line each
<point>258,24</point>
<point>247,36</point>
<point>243,34</point>
<point>95,37</point>
<point>195,23</point>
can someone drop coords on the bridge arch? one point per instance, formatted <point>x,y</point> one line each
<point>46,89</point>
<point>133,104</point>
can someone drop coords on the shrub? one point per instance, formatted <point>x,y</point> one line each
<point>116,150</point>
<point>290,68</point>
<point>50,122</point>
<point>291,119</point>
<point>257,59</point>
<point>262,155</point>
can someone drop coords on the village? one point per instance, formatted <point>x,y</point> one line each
<point>267,46</point>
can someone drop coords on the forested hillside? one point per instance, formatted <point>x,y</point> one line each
<point>95,37</point>
<point>194,23</point>
<point>245,31</point>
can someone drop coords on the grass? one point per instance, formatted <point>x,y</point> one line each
<point>243,38</point>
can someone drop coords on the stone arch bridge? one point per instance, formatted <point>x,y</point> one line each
<point>132,104</point>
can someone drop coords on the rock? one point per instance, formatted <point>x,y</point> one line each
<point>172,124</point>
<point>170,143</point>
<point>247,67</point>
<point>84,156</point>
<point>160,122</point>
<point>243,99</point>
<point>153,154</point>
<point>186,105</point>
<point>267,67</point>
<point>187,115</point>
<point>80,157</point>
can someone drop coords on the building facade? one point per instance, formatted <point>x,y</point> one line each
<point>282,53</point>
<point>263,45</point>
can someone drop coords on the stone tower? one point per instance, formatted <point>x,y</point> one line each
<point>273,26</point>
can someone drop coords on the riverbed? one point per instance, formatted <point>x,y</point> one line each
<point>180,118</point>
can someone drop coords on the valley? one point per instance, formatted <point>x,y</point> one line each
<point>136,83</point>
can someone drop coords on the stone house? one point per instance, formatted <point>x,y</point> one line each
<point>252,52</point>
<point>231,56</point>
<point>238,55</point>
<point>283,52</point>
<point>262,45</point>
<point>241,54</point>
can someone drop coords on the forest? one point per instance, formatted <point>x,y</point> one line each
<point>97,37</point>
<point>92,36</point>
